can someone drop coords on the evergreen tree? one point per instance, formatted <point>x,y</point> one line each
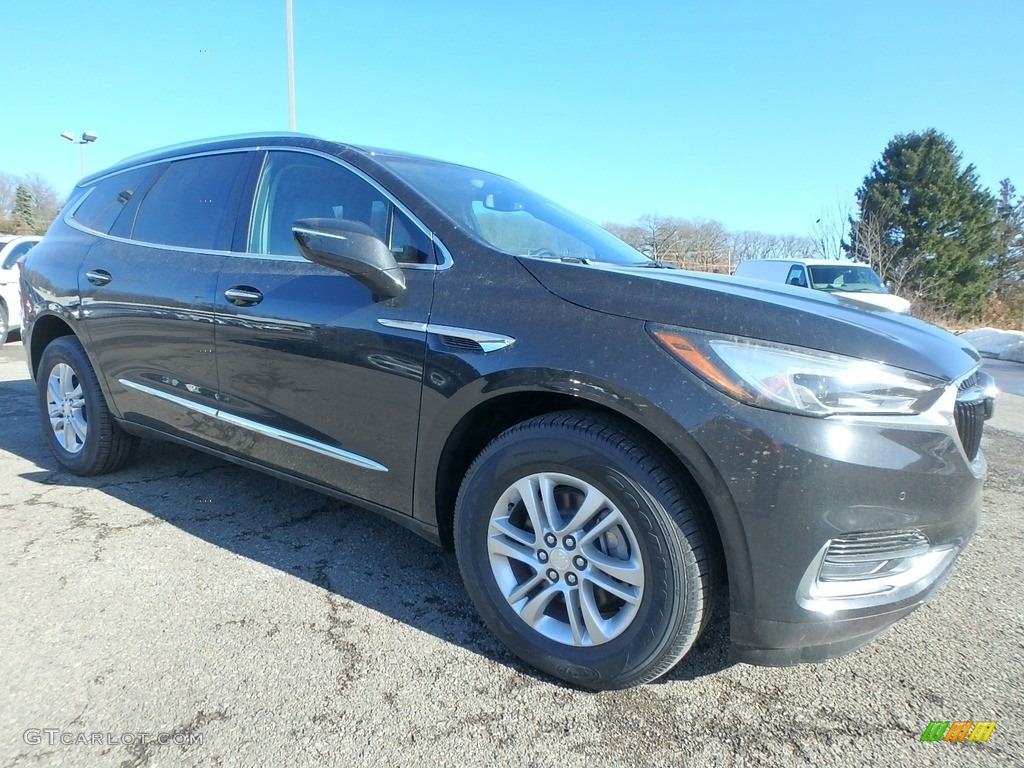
<point>24,215</point>
<point>1009,257</point>
<point>939,225</point>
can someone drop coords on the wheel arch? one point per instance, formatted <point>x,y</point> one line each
<point>45,329</point>
<point>490,418</point>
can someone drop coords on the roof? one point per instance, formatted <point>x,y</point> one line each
<point>268,138</point>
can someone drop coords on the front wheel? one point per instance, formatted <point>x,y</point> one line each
<point>582,551</point>
<point>73,413</point>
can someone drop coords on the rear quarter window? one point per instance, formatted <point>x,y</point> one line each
<point>108,198</point>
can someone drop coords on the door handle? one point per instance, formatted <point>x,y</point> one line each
<point>243,296</point>
<point>98,276</point>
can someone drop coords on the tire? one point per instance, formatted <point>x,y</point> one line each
<point>635,603</point>
<point>73,413</point>
<point>4,323</point>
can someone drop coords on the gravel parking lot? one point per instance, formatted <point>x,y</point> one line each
<point>190,612</point>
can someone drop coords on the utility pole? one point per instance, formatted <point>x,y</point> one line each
<point>87,138</point>
<point>291,64</point>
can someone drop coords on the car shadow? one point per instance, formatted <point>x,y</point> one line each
<point>350,552</point>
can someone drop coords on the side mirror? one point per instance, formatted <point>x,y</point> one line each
<point>353,248</point>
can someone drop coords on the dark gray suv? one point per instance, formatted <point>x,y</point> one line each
<point>604,442</point>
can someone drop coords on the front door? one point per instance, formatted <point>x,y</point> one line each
<point>311,382</point>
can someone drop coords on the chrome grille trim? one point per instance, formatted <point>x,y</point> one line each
<point>869,546</point>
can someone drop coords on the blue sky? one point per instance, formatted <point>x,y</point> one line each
<point>761,115</point>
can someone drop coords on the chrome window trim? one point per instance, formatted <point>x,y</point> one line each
<point>446,257</point>
<point>254,426</point>
<point>489,342</point>
<point>71,222</point>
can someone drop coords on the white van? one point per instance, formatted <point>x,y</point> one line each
<point>850,279</point>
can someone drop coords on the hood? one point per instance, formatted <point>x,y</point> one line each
<point>759,310</point>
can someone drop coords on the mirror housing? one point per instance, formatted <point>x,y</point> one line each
<point>353,248</point>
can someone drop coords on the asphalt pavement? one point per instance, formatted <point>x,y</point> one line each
<point>189,612</point>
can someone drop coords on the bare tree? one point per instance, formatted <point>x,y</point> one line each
<point>872,242</point>
<point>661,237</point>
<point>705,246</point>
<point>8,187</point>
<point>47,201</point>
<point>829,230</point>
<point>759,245</point>
<point>630,234</point>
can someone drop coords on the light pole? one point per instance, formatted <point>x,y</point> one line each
<point>291,64</point>
<point>88,137</point>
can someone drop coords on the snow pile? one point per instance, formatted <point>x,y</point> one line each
<point>1004,345</point>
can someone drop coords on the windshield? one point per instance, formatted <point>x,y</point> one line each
<point>844,277</point>
<point>509,217</point>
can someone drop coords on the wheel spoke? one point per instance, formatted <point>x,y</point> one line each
<point>592,616</point>
<point>524,589</point>
<point>612,587</point>
<point>611,520</point>
<point>53,390</point>
<point>533,610</point>
<point>499,545</point>
<point>79,425</point>
<point>505,527</point>
<point>69,436</point>
<point>528,492</point>
<point>594,503</point>
<point>577,621</point>
<point>65,379</point>
<point>549,507</point>
<point>629,571</point>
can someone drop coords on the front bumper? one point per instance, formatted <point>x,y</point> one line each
<point>797,485</point>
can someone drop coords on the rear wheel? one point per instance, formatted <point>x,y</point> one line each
<point>4,323</point>
<point>582,552</point>
<point>73,413</point>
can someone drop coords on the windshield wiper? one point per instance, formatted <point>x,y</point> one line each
<point>652,264</point>
<point>556,257</point>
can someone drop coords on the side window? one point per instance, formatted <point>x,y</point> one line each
<point>796,276</point>
<point>294,186</point>
<point>108,198</point>
<point>191,204</point>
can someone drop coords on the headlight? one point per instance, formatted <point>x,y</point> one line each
<point>798,380</point>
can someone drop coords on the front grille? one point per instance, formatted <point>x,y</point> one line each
<point>970,421</point>
<point>876,545</point>
<point>970,413</point>
<point>968,383</point>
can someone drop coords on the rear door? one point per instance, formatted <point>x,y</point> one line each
<point>311,381</point>
<point>148,286</point>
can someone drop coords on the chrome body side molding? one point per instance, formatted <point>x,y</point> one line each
<point>254,426</point>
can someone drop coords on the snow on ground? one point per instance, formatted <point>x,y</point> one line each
<point>1004,345</point>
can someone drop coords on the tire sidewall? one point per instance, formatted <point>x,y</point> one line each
<point>662,605</point>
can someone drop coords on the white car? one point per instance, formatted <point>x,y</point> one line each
<point>12,248</point>
<point>849,279</point>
